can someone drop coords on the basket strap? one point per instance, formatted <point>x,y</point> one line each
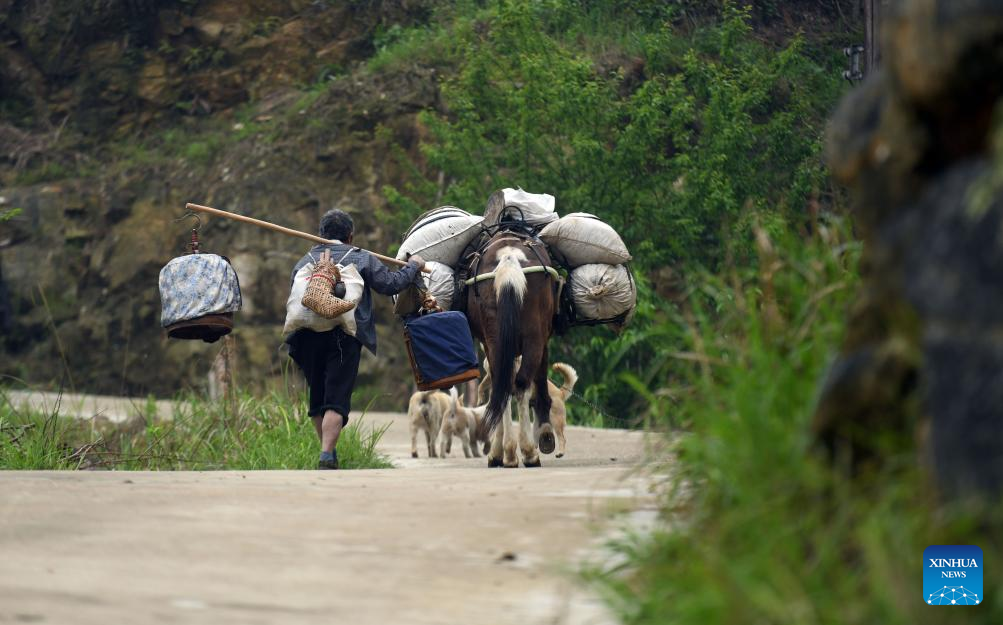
<point>354,249</point>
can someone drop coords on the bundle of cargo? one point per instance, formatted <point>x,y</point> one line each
<point>582,239</point>
<point>439,283</point>
<point>535,210</point>
<point>600,285</point>
<point>599,290</point>
<point>440,350</point>
<point>199,294</point>
<point>345,290</point>
<point>602,294</point>
<point>441,235</point>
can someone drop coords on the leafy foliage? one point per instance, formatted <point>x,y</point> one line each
<point>680,156</point>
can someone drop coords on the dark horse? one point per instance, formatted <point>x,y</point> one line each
<point>511,311</point>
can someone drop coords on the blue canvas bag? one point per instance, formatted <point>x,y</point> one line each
<point>441,350</point>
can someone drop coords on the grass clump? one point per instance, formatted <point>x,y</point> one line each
<point>249,433</point>
<point>759,528</point>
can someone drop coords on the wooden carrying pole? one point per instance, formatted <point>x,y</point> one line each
<point>293,233</point>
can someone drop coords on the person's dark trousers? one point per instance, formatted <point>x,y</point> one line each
<point>330,362</point>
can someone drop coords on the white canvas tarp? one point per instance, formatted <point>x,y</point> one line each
<point>581,239</point>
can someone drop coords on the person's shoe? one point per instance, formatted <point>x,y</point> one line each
<point>327,464</point>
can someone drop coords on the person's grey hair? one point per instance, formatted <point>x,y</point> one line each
<point>336,224</point>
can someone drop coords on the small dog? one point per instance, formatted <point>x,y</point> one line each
<point>558,397</point>
<point>425,410</point>
<point>461,422</point>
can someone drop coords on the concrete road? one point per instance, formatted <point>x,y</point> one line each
<point>434,541</point>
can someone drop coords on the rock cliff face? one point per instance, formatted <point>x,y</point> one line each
<point>115,114</point>
<point>924,351</point>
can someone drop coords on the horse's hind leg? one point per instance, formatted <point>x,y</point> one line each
<point>510,441</point>
<point>530,457</point>
<point>494,454</point>
<point>541,403</point>
<point>532,377</point>
<point>504,447</point>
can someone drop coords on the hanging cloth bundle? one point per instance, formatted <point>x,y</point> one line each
<point>199,294</point>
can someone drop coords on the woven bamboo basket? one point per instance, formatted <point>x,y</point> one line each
<point>320,297</point>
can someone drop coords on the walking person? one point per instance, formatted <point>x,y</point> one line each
<point>330,360</point>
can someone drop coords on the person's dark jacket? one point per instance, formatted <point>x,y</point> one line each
<point>376,276</point>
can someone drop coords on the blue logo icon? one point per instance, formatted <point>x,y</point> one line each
<point>952,575</point>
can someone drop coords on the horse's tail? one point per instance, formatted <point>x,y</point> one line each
<point>510,288</point>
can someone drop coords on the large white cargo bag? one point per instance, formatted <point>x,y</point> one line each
<point>536,209</point>
<point>299,316</point>
<point>602,292</point>
<point>440,235</point>
<point>581,239</point>
<point>440,283</point>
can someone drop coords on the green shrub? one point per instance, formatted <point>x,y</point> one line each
<point>711,136</point>
<point>757,527</point>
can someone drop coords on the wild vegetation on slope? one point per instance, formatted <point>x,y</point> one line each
<point>686,139</point>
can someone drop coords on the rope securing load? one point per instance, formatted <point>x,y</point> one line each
<point>484,277</point>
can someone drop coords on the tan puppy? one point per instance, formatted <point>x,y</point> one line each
<point>461,422</point>
<point>558,397</point>
<point>425,411</point>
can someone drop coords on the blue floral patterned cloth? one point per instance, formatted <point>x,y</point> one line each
<point>195,285</point>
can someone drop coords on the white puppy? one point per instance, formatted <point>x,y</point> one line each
<point>461,422</point>
<point>425,411</point>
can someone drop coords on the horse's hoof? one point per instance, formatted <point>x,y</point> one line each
<point>494,463</point>
<point>560,454</point>
<point>546,442</point>
<point>532,465</point>
<point>414,454</point>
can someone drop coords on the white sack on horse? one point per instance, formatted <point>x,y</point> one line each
<point>602,291</point>
<point>440,235</point>
<point>581,239</point>
<point>536,209</point>
<point>440,283</point>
